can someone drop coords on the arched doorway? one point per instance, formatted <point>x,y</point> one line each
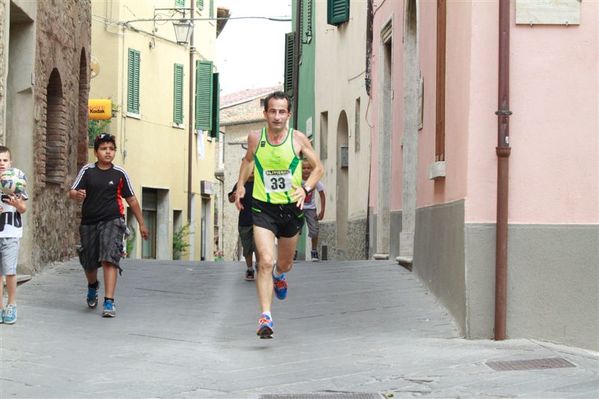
<point>342,197</point>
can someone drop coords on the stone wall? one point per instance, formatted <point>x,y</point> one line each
<point>356,241</point>
<point>4,28</point>
<point>63,43</point>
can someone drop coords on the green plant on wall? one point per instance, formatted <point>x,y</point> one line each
<point>181,241</point>
<point>96,128</point>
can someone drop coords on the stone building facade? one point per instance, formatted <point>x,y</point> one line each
<point>44,85</point>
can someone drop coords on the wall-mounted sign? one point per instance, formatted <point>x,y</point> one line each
<point>548,12</point>
<point>99,109</point>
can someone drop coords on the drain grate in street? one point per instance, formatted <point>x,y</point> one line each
<point>533,364</point>
<point>328,395</point>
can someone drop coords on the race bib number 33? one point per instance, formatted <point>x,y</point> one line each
<point>277,181</point>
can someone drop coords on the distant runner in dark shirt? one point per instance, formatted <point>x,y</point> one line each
<point>245,227</point>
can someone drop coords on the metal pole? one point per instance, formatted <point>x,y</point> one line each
<point>190,120</point>
<point>297,56</point>
<point>503,152</point>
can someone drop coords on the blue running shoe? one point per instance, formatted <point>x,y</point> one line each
<point>10,314</point>
<point>265,327</point>
<point>1,315</point>
<point>92,295</point>
<point>280,286</point>
<point>109,309</point>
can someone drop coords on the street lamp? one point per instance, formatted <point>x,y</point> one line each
<point>183,30</point>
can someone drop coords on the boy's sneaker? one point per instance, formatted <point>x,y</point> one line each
<point>1,315</point>
<point>109,309</point>
<point>280,285</point>
<point>92,295</point>
<point>249,275</point>
<point>265,327</point>
<point>314,256</point>
<point>10,314</point>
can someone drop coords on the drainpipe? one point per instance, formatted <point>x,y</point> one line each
<point>296,62</point>
<point>190,136</point>
<point>503,153</point>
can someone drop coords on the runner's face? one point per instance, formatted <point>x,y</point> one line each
<point>4,161</point>
<point>277,114</point>
<point>105,153</point>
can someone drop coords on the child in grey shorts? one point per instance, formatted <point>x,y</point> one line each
<point>11,231</point>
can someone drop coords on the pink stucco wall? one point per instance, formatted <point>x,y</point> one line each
<point>554,170</point>
<point>554,97</point>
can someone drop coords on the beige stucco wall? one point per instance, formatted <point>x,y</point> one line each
<point>152,150</point>
<point>339,81</point>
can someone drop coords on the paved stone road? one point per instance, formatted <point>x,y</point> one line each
<point>187,330</point>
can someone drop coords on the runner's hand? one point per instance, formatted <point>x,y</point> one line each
<point>239,194</point>
<point>299,195</point>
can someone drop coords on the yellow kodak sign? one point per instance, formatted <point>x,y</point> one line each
<point>99,109</point>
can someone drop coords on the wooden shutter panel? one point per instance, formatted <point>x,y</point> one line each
<point>289,57</point>
<point>179,3</point>
<point>337,12</point>
<point>203,95</point>
<point>133,81</point>
<point>200,4</point>
<point>215,106</point>
<point>178,94</point>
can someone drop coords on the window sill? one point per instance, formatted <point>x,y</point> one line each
<point>132,115</point>
<point>178,126</point>
<point>437,170</point>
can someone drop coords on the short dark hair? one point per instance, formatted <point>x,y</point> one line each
<point>104,138</point>
<point>4,149</point>
<point>278,95</point>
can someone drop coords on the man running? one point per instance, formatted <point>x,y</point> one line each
<point>275,154</point>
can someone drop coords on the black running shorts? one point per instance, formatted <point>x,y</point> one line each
<point>284,220</point>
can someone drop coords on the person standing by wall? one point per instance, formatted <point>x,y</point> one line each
<point>310,211</point>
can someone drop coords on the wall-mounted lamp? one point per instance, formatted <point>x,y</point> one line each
<point>183,29</point>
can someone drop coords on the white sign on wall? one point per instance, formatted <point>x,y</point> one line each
<point>548,12</point>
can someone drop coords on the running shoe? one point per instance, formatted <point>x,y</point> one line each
<point>92,295</point>
<point>265,327</point>
<point>249,275</point>
<point>10,314</point>
<point>109,309</point>
<point>314,256</point>
<point>1,315</point>
<point>280,286</point>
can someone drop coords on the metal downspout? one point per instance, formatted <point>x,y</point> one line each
<point>190,125</point>
<point>503,152</point>
<point>296,62</point>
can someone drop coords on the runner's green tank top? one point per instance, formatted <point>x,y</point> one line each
<point>276,170</point>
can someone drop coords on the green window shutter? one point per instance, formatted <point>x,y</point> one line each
<point>215,107</point>
<point>200,4</point>
<point>289,57</point>
<point>133,81</point>
<point>211,9</point>
<point>337,12</point>
<point>203,95</point>
<point>179,3</point>
<point>178,94</point>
